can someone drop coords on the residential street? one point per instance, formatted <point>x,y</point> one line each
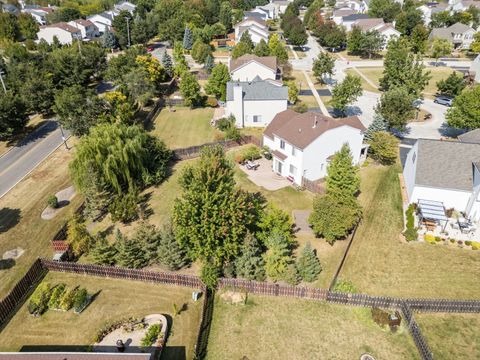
<point>23,158</point>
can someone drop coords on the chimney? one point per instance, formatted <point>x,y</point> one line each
<point>315,122</point>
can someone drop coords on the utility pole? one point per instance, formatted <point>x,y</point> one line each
<point>63,136</point>
<point>128,29</point>
<point>1,79</point>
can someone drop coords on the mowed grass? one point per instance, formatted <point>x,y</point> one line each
<point>451,336</point>
<point>284,328</point>
<point>115,300</point>
<point>185,127</point>
<point>380,263</point>
<point>20,210</point>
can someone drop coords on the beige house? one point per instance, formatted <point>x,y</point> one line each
<point>248,67</point>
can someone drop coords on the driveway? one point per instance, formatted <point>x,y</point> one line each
<point>28,154</point>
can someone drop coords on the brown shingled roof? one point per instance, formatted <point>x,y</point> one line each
<point>301,130</point>
<point>368,24</point>
<point>84,22</point>
<point>63,26</point>
<point>268,61</point>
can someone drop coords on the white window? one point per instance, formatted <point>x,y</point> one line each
<point>282,144</point>
<point>293,170</point>
<point>257,118</point>
<point>293,151</point>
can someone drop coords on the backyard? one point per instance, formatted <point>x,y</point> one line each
<point>284,328</point>
<point>451,336</point>
<point>381,263</point>
<point>115,300</point>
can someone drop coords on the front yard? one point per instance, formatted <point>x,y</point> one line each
<point>381,263</point>
<point>115,300</point>
<point>284,328</point>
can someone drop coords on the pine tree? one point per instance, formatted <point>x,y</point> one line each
<point>378,124</point>
<point>250,264</point>
<point>209,64</point>
<point>104,253</point>
<point>291,275</point>
<point>278,256</point>
<point>149,237</point>
<point>131,254</point>
<point>170,254</point>
<point>247,40</point>
<point>342,176</point>
<point>262,49</point>
<point>167,64</point>
<point>187,39</point>
<point>108,40</point>
<point>308,264</point>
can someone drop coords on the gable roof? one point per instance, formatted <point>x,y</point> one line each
<point>104,14</point>
<point>446,164</point>
<point>261,23</point>
<point>468,3</point>
<point>259,90</point>
<point>343,12</point>
<point>254,14</point>
<point>63,26</point>
<point>368,24</point>
<point>301,130</point>
<point>268,61</point>
<point>354,17</point>
<point>82,22</point>
<point>471,136</point>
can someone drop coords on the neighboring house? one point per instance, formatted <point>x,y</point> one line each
<point>430,8</point>
<point>460,35</point>
<point>255,103</point>
<point>259,15</point>
<point>10,9</point>
<point>124,6</point>
<point>257,29</point>
<point>64,32</point>
<point>388,31</point>
<point>248,67</point>
<point>38,13</point>
<point>271,10</point>
<point>302,145</point>
<point>474,70</point>
<point>103,20</point>
<point>281,5</point>
<point>339,14</point>
<point>447,172</point>
<point>348,20</point>
<point>470,137</point>
<point>459,6</point>
<point>88,29</point>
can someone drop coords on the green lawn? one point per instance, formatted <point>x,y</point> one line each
<point>380,263</point>
<point>185,127</point>
<point>283,328</point>
<point>451,336</point>
<point>116,299</point>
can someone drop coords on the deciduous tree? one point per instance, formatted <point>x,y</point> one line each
<point>384,147</point>
<point>439,48</point>
<point>190,89</point>
<point>13,115</point>
<point>346,92</point>
<point>217,82</point>
<point>452,85</point>
<point>396,107</point>
<point>323,65</point>
<point>465,110</point>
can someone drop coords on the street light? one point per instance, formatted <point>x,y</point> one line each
<point>64,139</point>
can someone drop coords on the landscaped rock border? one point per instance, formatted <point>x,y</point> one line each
<point>64,197</point>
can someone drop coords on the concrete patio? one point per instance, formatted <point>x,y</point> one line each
<point>452,233</point>
<point>265,177</point>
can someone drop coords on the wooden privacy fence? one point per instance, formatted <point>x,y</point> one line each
<point>313,186</point>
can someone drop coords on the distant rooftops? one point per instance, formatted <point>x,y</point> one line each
<point>63,26</point>
<point>470,137</point>
<point>354,17</point>
<point>268,61</point>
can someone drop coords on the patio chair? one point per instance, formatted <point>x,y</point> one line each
<point>251,165</point>
<point>455,226</point>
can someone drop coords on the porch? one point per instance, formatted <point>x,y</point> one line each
<point>264,175</point>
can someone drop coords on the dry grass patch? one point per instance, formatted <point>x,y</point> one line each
<point>283,328</point>
<point>116,299</point>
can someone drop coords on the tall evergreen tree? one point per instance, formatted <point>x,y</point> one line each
<point>250,264</point>
<point>104,253</point>
<point>187,39</point>
<point>217,82</point>
<point>343,179</point>
<point>261,49</point>
<point>247,39</point>
<point>149,237</point>
<point>209,64</point>
<point>308,264</point>
<point>378,124</point>
<point>167,63</point>
<point>225,16</point>
<point>131,254</point>
<point>278,256</point>
<point>170,254</point>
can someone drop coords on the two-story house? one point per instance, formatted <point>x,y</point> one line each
<point>302,145</point>
<point>386,30</point>
<point>38,13</point>
<point>255,103</point>
<point>257,29</point>
<point>88,29</point>
<point>103,20</point>
<point>249,66</point>
<point>460,35</point>
<point>430,8</point>
<point>64,32</point>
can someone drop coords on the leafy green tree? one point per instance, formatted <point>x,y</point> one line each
<point>78,109</point>
<point>333,218</point>
<point>250,264</point>
<point>439,48</point>
<point>291,275</point>
<point>212,217</point>
<point>373,42</point>
<point>170,253</point>
<point>403,69</point>
<point>384,147</point>
<point>217,82</point>
<point>465,110</point>
<point>441,19</point>
<point>108,40</point>
<point>27,26</point>
<point>167,64</point>
<point>331,35</point>
<point>475,46</point>
<point>407,20</point>
<point>354,40</point>
<point>346,92</point>
<point>104,253</point>
<point>171,16</point>
<point>225,15</point>
<point>418,39</point>
<point>278,256</point>
<point>275,220</point>
<point>139,31</point>
<point>277,48</point>
<point>453,85</point>
<point>261,49</point>
<point>378,124</point>
<point>187,39</point>
<point>247,39</point>
<point>385,9</point>
<point>210,274</point>
<point>310,15</point>
<point>240,49</point>
<point>121,26</point>
<point>8,27</point>
<point>209,64</point>
<point>292,91</point>
<point>13,115</point>
<point>396,107</point>
<point>78,237</point>
<point>308,264</point>
<point>64,14</point>
<point>200,51</point>
<point>131,254</point>
<point>322,66</point>
<point>190,89</point>
<point>294,31</point>
<point>343,179</point>
<point>37,91</point>
<point>139,85</point>
<point>124,207</point>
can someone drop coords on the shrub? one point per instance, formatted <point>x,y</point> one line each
<point>124,207</point>
<point>224,123</point>
<point>252,153</point>
<point>468,243</point>
<point>52,201</point>
<point>151,335</point>
<point>209,275</point>
<point>475,245</point>
<point>438,238</point>
<point>380,317</point>
<point>384,147</point>
<point>111,326</point>
<point>39,300</point>
<point>68,297</point>
<point>411,234</point>
<point>429,238</point>
<point>233,133</point>
<point>452,241</point>
<point>345,286</point>
<point>212,102</point>
<point>57,293</point>
<point>300,108</point>
<point>80,300</point>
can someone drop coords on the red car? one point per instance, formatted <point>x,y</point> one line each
<point>150,48</point>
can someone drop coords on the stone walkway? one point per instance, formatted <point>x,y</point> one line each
<point>300,218</point>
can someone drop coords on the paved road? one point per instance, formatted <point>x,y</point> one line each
<point>28,154</point>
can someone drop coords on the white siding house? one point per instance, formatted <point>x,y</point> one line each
<point>460,35</point>
<point>103,20</point>
<point>65,33</point>
<point>257,29</point>
<point>248,67</point>
<point>444,171</point>
<point>88,29</point>
<point>255,103</point>
<point>302,145</point>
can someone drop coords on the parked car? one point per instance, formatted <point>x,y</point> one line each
<point>150,48</point>
<point>443,100</point>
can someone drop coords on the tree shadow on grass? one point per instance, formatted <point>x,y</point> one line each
<point>9,218</point>
<point>6,264</point>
